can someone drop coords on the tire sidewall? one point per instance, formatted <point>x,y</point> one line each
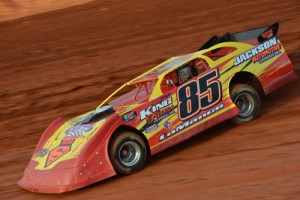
<point>243,88</point>
<point>115,147</point>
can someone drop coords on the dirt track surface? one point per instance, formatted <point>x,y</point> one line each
<point>14,9</point>
<point>65,62</point>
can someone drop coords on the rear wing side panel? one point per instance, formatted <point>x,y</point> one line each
<point>261,34</point>
<point>258,34</point>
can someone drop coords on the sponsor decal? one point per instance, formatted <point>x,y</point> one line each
<point>167,124</point>
<point>158,110</point>
<point>59,151</point>
<point>268,34</point>
<point>42,153</point>
<point>152,128</point>
<point>260,53</point>
<point>129,116</point>
<point>190,122</point>
<point>78,130</point>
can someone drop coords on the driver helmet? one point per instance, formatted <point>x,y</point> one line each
<point>184,74</point>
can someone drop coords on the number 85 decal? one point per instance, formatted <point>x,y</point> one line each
<point>199,94</point>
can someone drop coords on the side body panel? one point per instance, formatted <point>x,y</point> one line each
<point>159,118</point>
<point>268,61</point>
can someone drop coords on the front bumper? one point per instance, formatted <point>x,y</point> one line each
<point>48,187</point>
<point>60,179</point>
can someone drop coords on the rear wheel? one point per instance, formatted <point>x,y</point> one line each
<point>128,152</point>
<point>247,100</point>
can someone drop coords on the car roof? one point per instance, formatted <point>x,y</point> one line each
<point>163,68</point>
<point>158,72</point>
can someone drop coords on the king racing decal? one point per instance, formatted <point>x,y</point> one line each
<point>157,111</point>
<point>199,94</point>
<point>260,53</point>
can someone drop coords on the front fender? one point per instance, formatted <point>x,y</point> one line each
<point>47,133</point>
<point>90,165</point>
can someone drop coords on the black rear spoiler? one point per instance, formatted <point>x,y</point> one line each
<point>261,34</point>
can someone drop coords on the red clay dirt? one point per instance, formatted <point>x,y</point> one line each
<point>14,9</point>
<point>63,63</point>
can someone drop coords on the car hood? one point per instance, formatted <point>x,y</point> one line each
<point>67,141</point>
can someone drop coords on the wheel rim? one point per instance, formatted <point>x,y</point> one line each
<point>245,103</point>
<point>129,153</point>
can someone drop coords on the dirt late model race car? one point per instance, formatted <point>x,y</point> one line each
<point>173,101</point>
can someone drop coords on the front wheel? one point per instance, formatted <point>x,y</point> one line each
<point>247,100</point>
<point>127,152</point>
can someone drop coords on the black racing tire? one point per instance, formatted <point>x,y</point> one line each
<point>247,100</point>
<point>128,152</point>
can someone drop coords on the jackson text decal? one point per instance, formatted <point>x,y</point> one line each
<point>260,53</point>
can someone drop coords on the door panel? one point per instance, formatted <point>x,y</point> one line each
<point>200,105</point>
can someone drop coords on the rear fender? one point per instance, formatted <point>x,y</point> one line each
<point>277,74</point>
